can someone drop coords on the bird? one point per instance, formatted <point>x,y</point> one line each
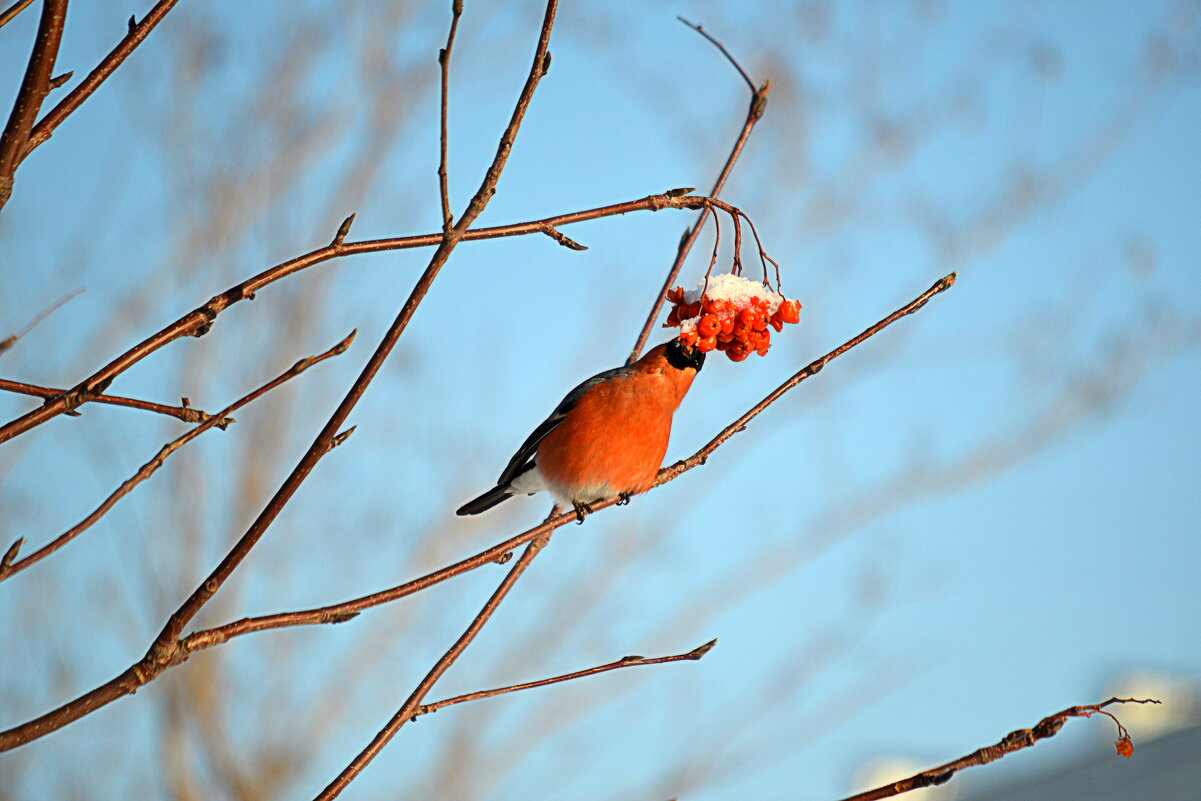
<point>606,439</point>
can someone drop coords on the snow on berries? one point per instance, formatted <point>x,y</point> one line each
<point>730,313</point>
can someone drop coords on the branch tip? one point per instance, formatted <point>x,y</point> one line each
<point>11,340</point>
<point>11,554</point>
<point>723,50</point>
<point>338,440</point>
<point>704,649</point>
<point>346,342</point>
<point>561,238</point>
<point>343,230</point>
<point>680,191</point>
<point>759,101</point>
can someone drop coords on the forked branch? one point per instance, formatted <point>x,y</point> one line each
<point>151,665</point>
<point>134,36</point>
<point>8,567</point>
<point>184,412</point>
<point>34,88</point>
<point>412,705</point>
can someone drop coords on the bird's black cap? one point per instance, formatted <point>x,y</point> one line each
<point>680,356</point>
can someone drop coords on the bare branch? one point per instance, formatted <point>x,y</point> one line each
<point>11,339</point>
<point>410,709</point>
<point>154,662</point>
<point>16,8</point>
<point>152,466</point>
<point>34,88</point>
<point>626,661</point>
<point>444,61</point>
<point>136,33</point>
<point>187,414</point>
<point>750,84</point>
<point>1014,741</point>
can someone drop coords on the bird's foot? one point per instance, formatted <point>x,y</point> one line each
<point>623,499</point>
<point>582,510</point>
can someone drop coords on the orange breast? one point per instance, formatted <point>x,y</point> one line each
<point>614,439</point>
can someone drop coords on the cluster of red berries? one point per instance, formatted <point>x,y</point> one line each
<point>735,326</point>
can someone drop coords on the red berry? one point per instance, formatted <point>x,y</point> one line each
<point>790,311</point>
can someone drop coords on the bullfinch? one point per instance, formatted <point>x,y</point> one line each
<point>606,439</point>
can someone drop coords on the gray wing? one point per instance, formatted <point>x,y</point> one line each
<point>524,458</point>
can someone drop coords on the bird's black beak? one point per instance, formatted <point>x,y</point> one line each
<point>680,356</point>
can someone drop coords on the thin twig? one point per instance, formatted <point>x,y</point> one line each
<point>750,84</point>
<point>200,320</point>
<point>34,88</point>
<point>152,466</point>
<point>755,109</point>
<point>410,708</point>
<point>624,662</point>
<point>716,247</point>
<point>136,33</point>
<point>444,61</point>
<point>11,339</point>
<point>187,414</point>
<point>1014,741</point>
<point>16,8</point>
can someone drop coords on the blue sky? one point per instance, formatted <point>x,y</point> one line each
<point>981,516</point>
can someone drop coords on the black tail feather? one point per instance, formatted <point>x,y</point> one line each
<point>485,502</point>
